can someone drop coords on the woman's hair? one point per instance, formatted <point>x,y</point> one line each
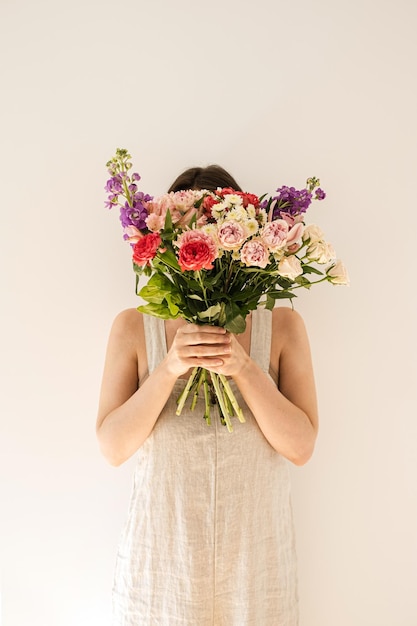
<point>209,177</point>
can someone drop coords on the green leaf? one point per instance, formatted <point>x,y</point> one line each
<point>152,294</point>
<point>157,310</point>
<point>303,282</point>
<point>235,322</point>
<point>236,325</point>
<point>281,294</point>
<point>168,222</point>
<point>309,269</point>
<point>156,289</point>
<point>270,302</point>
<point>168,257</point>
<point>212,312</point>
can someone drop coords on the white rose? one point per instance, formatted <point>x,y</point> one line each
<point>337,274</point>
<point>321,252</point>
<point>313,233</point>
<point>290,267</point>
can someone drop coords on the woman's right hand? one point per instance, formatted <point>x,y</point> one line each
<point>197,346</point>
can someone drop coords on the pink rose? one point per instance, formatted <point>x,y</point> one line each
<point>255,253</point>
<point>146,248</point>
<point>274,234</point>
<point>231,235</point>
<point>290,267</point>
<point>197,251</point>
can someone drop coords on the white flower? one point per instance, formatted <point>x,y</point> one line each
<point>237,213</point>
<point>262,217</point>
<point>232,199</point>
<point>252,226</point>
<point>321,252</point>
<point>313,233</point>
<point>211,230</point>
<point>218,210</point>
<point>338,274</point>
<point>250,210</point>
<point>290,267</point>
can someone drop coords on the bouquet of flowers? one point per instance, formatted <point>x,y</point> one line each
<point>214,256</point>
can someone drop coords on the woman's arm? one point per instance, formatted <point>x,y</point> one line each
<point>287,414</point>
<point>127,412</point>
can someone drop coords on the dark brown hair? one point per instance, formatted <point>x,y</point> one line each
<point>209,177</point>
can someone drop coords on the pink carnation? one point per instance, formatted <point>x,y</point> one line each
<point>155,222</point>
<point>255,253</point>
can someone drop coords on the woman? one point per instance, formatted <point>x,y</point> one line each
<point>209,536</point>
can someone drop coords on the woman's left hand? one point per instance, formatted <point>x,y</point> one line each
<point>235,361</point>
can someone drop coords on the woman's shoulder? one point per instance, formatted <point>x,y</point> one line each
<point>128,323</point>
<point>287,321</point>
<point>287,315</point>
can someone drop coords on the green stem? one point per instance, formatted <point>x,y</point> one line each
<point>223,408</point>
<point>206,398</point>
<point>183,397</point>
<point>197,389</point>
<point>232,398</point>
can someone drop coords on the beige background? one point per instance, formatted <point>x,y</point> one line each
<point>275,92</point>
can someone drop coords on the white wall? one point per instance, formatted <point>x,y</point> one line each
<point>275,92</point>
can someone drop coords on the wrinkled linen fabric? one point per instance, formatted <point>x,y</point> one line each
<point>209,537</point>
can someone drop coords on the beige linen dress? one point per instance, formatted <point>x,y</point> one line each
<point>209,536</point>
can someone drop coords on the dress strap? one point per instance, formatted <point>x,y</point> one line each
<point>155,340</point>
<point>261,335</point>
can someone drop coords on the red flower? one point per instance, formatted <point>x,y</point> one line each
<point>146,248</point>
<point>197,251</point>
<point>249,198</point>
<point>226,191</point>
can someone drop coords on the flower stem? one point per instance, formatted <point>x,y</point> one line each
<point>223,408</point>
<point>206,398</point>
<point>232,398</point>
<point>183,397</point>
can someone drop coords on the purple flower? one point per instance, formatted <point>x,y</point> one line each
<point>320,194</point>
<point>291,201</point>
<point>133,215</point>
<point>135,176</point>
<point>111,201</point>
<point>114,185</point>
